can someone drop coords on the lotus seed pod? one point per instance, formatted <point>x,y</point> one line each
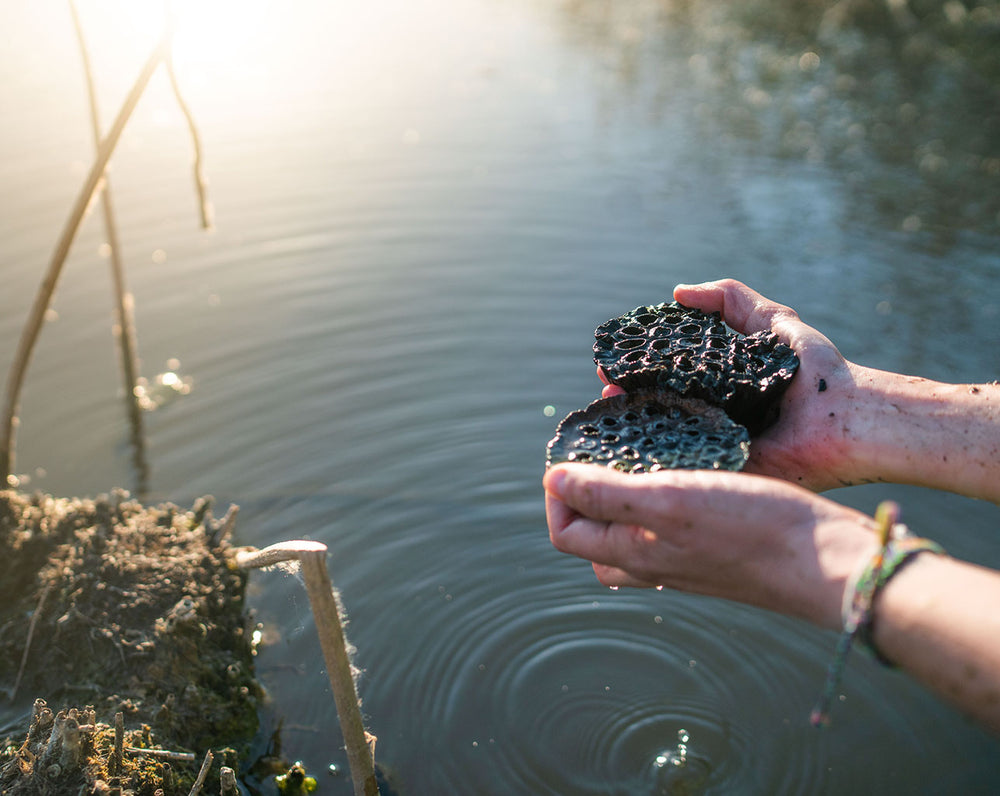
<point>693,353</point>
<point>646,431</point>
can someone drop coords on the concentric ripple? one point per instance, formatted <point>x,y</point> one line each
<point>578,690</point>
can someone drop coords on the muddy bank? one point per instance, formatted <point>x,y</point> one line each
<point>109,607</point>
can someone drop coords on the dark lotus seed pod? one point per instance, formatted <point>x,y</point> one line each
<point>647,431</point>
<point>693,353</point>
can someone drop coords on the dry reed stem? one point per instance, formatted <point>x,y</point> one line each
<point>204,206</point>
<point>125,331</point>
<point>227,782</point>
<point>36,316</point>
<point>206,764</point>
<point>118,754</point>
<point>27,642</point>
<point>161,754</point>
<point>329,627</point>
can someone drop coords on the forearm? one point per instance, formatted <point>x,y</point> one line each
<point>937,620</point>
<point>909,430</point>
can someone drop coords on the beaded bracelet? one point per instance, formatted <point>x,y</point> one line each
<point>897,546</point>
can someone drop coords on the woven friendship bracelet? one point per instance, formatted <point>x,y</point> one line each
<point>897,546</point>
<point>898,552</point>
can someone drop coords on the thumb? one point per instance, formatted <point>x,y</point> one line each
<point>591,515</point>
<point>605,495</point>
<point>743,308</point>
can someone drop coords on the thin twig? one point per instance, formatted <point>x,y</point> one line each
<point>27,641</point>
<point>204,206</point>
<point>117,755</point>
<point>36,316</point>
<point>225,527</point>
<point>206,764</point>
<point>125,331</point>
<point>329,626</point>
<point>162,754</point>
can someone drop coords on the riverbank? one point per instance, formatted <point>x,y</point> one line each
<point>110,607</point>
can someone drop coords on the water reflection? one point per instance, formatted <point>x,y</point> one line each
<point>902,99</point>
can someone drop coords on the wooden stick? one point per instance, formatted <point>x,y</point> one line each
<point>206,764</point>
<point>327,613</point>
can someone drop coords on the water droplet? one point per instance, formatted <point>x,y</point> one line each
<point>659,588</point>
<point>549,410</point>
<point>613,588</point>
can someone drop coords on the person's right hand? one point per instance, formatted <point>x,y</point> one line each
<point>807,444</point>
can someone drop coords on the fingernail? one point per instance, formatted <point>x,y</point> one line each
<point>553,482</point>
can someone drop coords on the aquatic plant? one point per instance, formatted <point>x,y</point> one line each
<point>97,182</point>
<point>696,393</point>
<point>693,353</point>
<point>650,430</point>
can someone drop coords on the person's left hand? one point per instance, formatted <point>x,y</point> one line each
<point>753,539</point>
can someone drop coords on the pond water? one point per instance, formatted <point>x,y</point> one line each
<point>422,210</point>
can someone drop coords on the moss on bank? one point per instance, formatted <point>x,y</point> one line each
<point>124,609</point>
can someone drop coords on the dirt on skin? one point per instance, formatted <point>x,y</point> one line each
<point>128,609</point>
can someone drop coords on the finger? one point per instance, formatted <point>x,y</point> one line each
<point>743,308</point>
<point>582,533</point>
<point>604,494</point>
<point>610,390</point>
<point>615,577</point>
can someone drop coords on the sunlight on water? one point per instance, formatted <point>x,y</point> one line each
<point>164,388</point>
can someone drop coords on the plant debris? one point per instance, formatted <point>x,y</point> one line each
<point>693,353</point>
<point>142,622</point>
<point>648,431</point>
<point>696,393</point>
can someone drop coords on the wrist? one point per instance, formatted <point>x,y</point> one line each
<point>845,549</point>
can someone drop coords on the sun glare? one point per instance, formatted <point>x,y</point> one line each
<point>226,47</point>
<point>207,33</point>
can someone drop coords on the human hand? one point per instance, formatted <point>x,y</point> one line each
<point>807,445</point>
<point>748,538</point>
